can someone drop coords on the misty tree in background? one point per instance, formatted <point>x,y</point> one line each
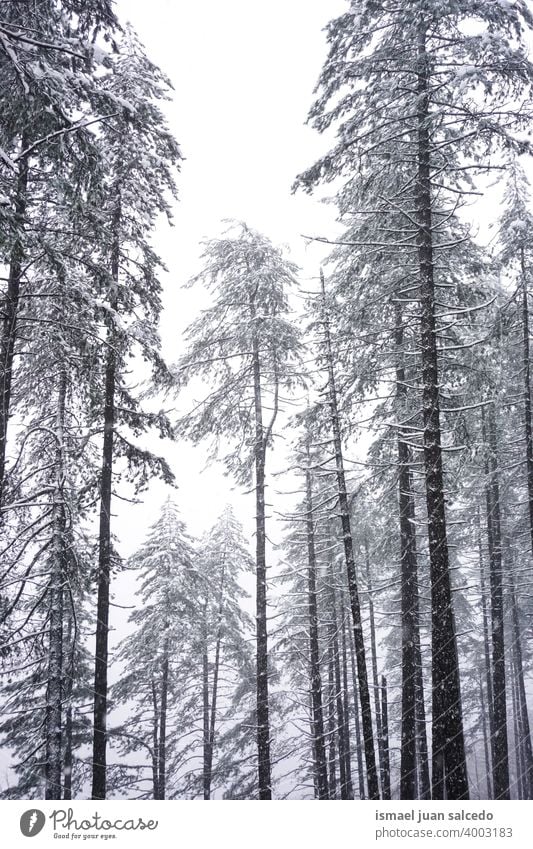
<point>164,628</point>
<point>222,560</point>
<point>246,347</point>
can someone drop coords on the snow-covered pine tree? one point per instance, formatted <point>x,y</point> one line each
<point>165,627</point>
<point>140,157</point>
<point>247,347</point>
<point>225,628</point>
<point>399,84</point>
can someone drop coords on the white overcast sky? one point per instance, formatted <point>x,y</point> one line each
<point>243,75</point>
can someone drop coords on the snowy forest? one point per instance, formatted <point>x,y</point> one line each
<point>362,628</point>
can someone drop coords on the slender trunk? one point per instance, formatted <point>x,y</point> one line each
<point>408,573</point>
<point>319,742</point>
<point>375,679</point>
<point>69,685</point>
<point>449,763</point>
<point>424,783</point>
<point>332,772</point>
<point>162,769</point>
<point>341,725</point>
<point>385,731</point>
<point>364,694</point>
<point>500,752</point>
<point>11,311</point>
<point>54,691</point>
<point>263,723</point>
<point>155,742</point>
<point>523,716</point>
<point>486,743</point>
<point>104,537</point>
<point>486,651</point>
<point>216,673</point>
<point>206,713</point>
<point>528,428</point>
<point>517,739</point>
<point>359,747</point>
<point>346,700</point>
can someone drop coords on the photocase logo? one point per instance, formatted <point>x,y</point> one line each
<point>32,822</point>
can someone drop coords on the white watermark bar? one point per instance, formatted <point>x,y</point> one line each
<point>261,825</point>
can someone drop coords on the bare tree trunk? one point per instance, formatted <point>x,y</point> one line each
<point>332,772</point>
<point>373,648</point>
<point>319,743</point>
<point>155,742</point>
<point>528,429</point>
<point>263,723</point>
<point>500,752</point>
<point>486,742</point>
<point>68,689</point>
<point>206,713</point>
<point>346,700</point>
<point>385,731</point>
<point>362,675</point>
<point>449,762</point>
<point>409,583</point>
<point>54,690</point>
<point>11,311</point>
<point>162,770</point>
<point>104,537</point>
<point>523,716</point>
<point>359,747</point>
<point>486,651</point>
<point>341,725</point>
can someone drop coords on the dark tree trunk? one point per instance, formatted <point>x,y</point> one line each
<point>375,679</point>
<point>263,723</point>
<point>332,771</point>
<point>104,537</point>
<point>385,727</point>
<point>362,675</point>
<point>486,741</point>
<point>155,742</point>
<point>517,739</point>
<point>449,763</point>
<point>424,783</point>
<point>408,574</point>
<point>319,742</point>
<point>69,686</point>
<point>527,391</point>
<point>11,311</point>
<point>206,712</point>
<point>359,747</point>
<point>162,768</point>
<point>346,700</point>
<point>341,725</point>
<point>500,752</point>
<point>523,716</point>
<point>486,651</point>
<point>54,690</point>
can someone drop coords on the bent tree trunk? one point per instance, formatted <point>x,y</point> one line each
<point>364,694</point>
<point>449,763</point>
